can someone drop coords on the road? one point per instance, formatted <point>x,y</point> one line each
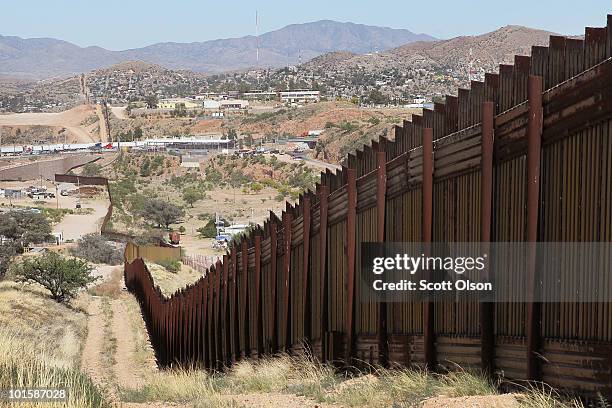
<point>71,120</point>
<point>74,226</point>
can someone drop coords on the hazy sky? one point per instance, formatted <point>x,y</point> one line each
<point>121,24</point>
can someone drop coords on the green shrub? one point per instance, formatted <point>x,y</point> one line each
<point>63,277</point>
<point>171,265</point>
<point>209,230</point>
<point>96,249</point>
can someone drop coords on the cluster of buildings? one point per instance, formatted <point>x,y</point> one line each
<point>217,102</point>
<point>207,104</point>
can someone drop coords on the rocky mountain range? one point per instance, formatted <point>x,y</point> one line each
<point>422,68</point>
<point>429,69</point>
<point>38,58</point>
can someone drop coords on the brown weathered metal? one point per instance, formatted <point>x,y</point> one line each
<point>534,136</point>
<point>487,336</point>
<point>323,208</point>
<point>428,314</point>
<point>256,329</point>
<point>284,321</point>
<point>381,201</point>
<point>351,203</point>
<point>273,256</point>
<point>306,261</point>
<point>225,313</point>
<point>243,294</point>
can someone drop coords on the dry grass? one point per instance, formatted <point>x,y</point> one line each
<point>143,353</point>
<point>111,287</point>
<point>543,396</point>
<point>57,330</point>
<point>40,344</point>
<point>301,376</point>
<point>323,384</point>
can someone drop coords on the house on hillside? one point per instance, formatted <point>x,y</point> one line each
<point>299,96</point>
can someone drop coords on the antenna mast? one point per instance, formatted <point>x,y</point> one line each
<point>257,35</point>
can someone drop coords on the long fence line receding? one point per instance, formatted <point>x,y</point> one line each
<point>525,155</point>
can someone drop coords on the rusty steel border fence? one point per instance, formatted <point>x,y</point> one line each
<point>525,155</point>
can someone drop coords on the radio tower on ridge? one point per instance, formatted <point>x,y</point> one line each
<point>257,35</point>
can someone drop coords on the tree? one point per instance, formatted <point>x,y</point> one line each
<point>152,101</point>
<point>63,277</point>
<point>231,134</point>
<point>377,98</point>
<point>138,133</point>
<point>145,169</point>
<point>24,228</point>
<point>162,212</point>
<point>94,248</point>
<point>7,251</point>
<point>91,169</point>
<point>191,195</point>
<point>209,230</point>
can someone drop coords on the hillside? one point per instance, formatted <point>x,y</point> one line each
<point>46,57</point>
<point>421,68</point>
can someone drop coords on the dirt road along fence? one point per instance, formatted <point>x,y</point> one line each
<point>525,155</point>
<point>97,181</point>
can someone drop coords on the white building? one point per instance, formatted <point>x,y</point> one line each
<point>211,104</point>
<point>300,96</point>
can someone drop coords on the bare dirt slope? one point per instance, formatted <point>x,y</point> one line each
<point>73,120</point>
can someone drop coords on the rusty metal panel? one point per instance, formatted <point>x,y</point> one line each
<point>556,61</point>
<point>427,229</point>
<point>539,61</point>
<point>463,108</point>
<point>506,88</point>
<point>594,46</point>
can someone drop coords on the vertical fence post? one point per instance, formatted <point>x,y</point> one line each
<point>256,332</point>
<point>284,322</point>
<point>381,201</point>
<point>305,265</point>
<point>486,194</point>
<point>217,315</point>
<point>205,340</point>
<point>351,223</point>
<point>323,210</point>
<point>234,305</point>
<point>428,306</point>
<point>170,330</point>
<point>198,322</point>
<point>243,322</point>
<point>534,135</point>
<point>209,318</point>
<point>273,335</point>
<point>224,314</point>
